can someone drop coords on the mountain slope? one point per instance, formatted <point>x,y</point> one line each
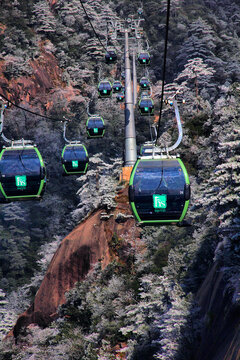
<point>87,244</point>
<point>173,293</point>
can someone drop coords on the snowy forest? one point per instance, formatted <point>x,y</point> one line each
<point>79,278</point>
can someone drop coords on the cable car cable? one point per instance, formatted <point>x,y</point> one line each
<point>164,68</point>
<point>97,36</point>
<point>112,45</point>
<point>31,112</point>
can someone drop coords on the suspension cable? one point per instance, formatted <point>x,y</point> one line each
<point>111,46</point>
<point>164,69</point>
<point>89,20</point>
<point>29,111</point>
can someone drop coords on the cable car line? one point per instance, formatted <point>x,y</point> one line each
<point>164,68</point>
<point>29,111</point>
<point>89,20</point>
<point>110,47</point>
<point>22,171</point>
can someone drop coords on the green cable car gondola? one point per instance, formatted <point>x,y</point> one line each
<point>105,89</point>
<point>159,190</point>
<point>22,173</point>
<point>95,127</point>
<point>74,159</point>
<point>146,106</point>
<point>144,83</point>
<point>144,58</point>
<point>120,97</point>
<point>110,56</point>
<point>117,86</point>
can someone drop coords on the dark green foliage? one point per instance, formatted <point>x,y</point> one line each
<point>96,304</point>
<point>196,125</point>
<point>160,258</point>
<point>123,251</point>
<point>78,314</point>
<point>7,355</point>
<point>18,259</point>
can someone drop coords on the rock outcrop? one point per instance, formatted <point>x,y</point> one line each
<point>44,86</point>
<point>87,244</point>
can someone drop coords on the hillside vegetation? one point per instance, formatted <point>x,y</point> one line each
<point>173,293</point>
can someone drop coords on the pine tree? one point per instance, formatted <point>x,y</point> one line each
<point>44,19</point>
<point>197,73</point>
<point>200,43</point>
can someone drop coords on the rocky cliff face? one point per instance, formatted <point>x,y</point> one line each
<point>44,86</point>
<point>87,244</point>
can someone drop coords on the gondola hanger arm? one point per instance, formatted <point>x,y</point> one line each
<point>64,131</point>
<point>88,103</point>
<point>180,133</point>
<point>179,125</point>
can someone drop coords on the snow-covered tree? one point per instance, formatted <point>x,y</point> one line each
<point>201,42</point>
<point>44,19</point>
<point>197,73</point>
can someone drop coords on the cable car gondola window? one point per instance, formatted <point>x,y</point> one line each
<point>20,162</point>
<point>75,153</point>
<point>158,190</point>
